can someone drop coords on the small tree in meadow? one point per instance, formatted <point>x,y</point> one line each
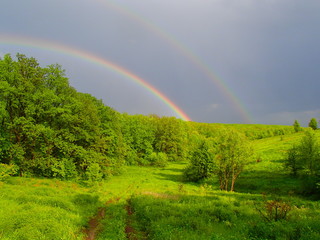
<point>304,159</point>
<point>293,162</point>
<point>202,163</point>
<point>313,123</point>
<point>232,155</point>
<point>296,126</point>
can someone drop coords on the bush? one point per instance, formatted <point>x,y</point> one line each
<point>7,170</point>
<point>202,163</point>
<point>93,173</point>
<point>159,159</point>
<point>64,169</point>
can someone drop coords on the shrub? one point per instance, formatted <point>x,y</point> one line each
<point>7,170</point>
<point>159,159</point>
<point>202,163</point>
<point>93,173</point>
<point>64,169</point>
<point>275,210</point>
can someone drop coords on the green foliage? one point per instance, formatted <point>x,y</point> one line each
<point>47,127</point>
<point>252,131</point>
<point>224,155</point>
<point>171,138</point>
<point>64,169</point>
<point>309,149</point>
<point>139,134</point>
<point>93,173</point>
<point>159,159</point>
<point>7,170</point>
<point>293,162</point>
<point>313,124</point>
<point>232,154</point>
<point>296,126</point>
<point>304,160</point>
<point>202,163</point>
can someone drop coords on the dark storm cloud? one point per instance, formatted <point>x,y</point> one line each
<point>266,52</point>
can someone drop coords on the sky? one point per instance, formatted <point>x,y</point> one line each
<point>218,61</point>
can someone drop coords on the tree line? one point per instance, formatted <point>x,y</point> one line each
<point>49,129</point>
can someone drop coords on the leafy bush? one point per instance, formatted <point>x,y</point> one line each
<point>64,169</point>
<point>7,170</point>
<point>93,173</point>
<point>202,163</point>
<point>158,159</point>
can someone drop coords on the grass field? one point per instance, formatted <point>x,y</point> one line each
<point>155,203</point>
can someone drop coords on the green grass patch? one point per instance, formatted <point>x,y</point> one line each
<point>44,209</point>
<point>220,216</point>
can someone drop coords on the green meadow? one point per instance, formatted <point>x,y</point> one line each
<point>73,168</point>
<point>156,203</point>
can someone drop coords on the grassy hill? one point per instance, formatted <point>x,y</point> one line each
<point>155,203</point>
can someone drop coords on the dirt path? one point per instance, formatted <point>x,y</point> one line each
<point>94,224</point>
<point>131,232</point>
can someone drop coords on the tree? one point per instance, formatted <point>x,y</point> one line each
<point>202,162</point>
<point>296,126</point>
<point>170,138</point>
<point>49,129</point>
<point>232,154</point>
<point>293,162</point>
<point>309,151</point>
<point>313,123</point>
<point>139,133</point>
<point>304,160</point>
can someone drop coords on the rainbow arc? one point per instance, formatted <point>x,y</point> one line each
<point>90,57</point>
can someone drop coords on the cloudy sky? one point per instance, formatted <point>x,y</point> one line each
<point>229,61</point>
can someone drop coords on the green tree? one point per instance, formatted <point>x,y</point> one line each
<point>232,154</point>
<point>202,162</point>
<point>139,133</point>
<point>304,160</point>
<point>296,126</point>
<point>49,129</point>
<point>293,162</point>
<point>171,138</point>
<point>309,151</point>
<point>313,123</point>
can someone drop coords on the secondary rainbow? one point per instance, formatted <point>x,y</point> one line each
<point>186,52</point>
<point>90,57</point>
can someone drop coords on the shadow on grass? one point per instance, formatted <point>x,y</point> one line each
<point>173,170</point>
<point>268,183</point>
<point>171,177</point>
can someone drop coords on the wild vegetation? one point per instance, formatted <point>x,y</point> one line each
<point>73,168</point>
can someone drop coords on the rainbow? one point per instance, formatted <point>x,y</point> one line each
<point>87,56</point>
<point>177,45</point>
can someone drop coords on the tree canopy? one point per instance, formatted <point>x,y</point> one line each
<point>49,129</point>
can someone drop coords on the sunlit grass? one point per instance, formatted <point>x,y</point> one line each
<point>163,205</point>
<point>44,209</point>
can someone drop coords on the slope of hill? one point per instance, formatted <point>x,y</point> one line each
<point>155,203</point>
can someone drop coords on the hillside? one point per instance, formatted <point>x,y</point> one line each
<point>155,203</point>
<point>73,168</point>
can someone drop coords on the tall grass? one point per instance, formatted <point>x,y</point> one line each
<point>44,209</point>
<point>220,216</point>
<point>163,206</point>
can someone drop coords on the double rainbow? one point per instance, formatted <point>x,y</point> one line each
<point>186,52</point>
<point>90,57</point>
